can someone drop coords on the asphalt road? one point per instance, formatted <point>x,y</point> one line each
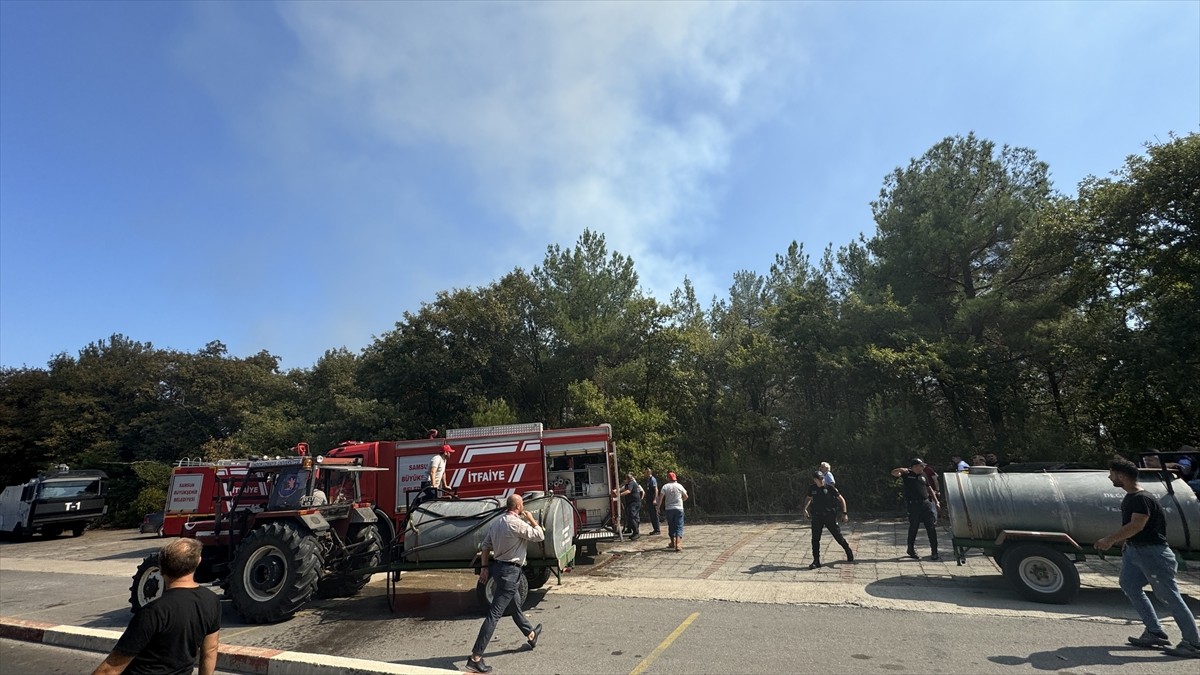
<point>25,658</point>
<point>616,617</point>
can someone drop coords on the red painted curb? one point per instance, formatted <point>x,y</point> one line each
<point>245,659</point>
<point>21,629</point>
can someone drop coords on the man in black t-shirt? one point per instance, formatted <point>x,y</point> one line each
<point>167,636</point>
<point>922,502</point>
<point>828,507</point>
<point>1146,558</point>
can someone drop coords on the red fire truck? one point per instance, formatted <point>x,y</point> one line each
<point>579,464</point>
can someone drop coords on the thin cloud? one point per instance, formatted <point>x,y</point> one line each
<point>616,117</point>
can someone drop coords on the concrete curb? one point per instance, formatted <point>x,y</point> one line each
<point>230,658</point>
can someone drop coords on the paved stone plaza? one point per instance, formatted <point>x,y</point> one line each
<point>758,561</point>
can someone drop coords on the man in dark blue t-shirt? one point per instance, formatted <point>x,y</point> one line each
<point>920,498</point>
<point>1146,558</point>
<point>828,506</point>
<point>651,489</point>
<point>169,635</point>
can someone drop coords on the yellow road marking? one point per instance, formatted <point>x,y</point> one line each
<point>662,647</point>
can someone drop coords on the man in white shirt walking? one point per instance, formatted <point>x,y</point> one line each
<point>502,557</point>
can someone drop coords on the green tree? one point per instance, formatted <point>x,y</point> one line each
<point>1143,255</point>
<point>948,244</point>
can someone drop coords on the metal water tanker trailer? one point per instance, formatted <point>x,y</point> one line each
<point>1031,522</point>
<point>447,534</point>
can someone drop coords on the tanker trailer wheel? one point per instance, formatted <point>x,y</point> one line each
<point>148,584</point>
<point>274,573</point>
<point>483,593</point>
<point>1041,574</point>
<point>345,585</point>
<point>537,576</point>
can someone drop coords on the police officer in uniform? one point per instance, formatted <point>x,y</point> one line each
<point>632,493</point>
<point>828,507</point>
<point>922,502</point>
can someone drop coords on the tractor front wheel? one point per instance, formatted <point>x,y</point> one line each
<point>148,584</point>
<point>274,573</point>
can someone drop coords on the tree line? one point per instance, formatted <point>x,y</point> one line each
<point>986,313</point>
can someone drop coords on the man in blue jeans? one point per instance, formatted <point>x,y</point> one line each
<point>1146,558</point>
<point>502,556</point>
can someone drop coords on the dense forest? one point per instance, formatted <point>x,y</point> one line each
<point>986,313</point>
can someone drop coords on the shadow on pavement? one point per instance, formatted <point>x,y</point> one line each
<point>759,569</point>
<point>446,662</point>
<point>411,604</point>
<point>994,592</point>
<point>1069,657</point>
<point>131,555</point>
<point>116,619</point>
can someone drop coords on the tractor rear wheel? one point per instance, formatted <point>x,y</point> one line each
<point>148,584</point>
<point>274,573</point>
<point>371,555</point>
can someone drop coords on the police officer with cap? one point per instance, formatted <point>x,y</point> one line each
<point>828,507</point>
<point>922,502</point>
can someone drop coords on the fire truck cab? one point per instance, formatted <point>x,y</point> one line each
<point>577,463</point>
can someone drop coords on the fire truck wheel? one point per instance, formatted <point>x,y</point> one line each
<point>77,531</point>
<point>274,573</point>
<point>345,585</point>
<point>51,532</point>
<point>147,584</point>
<point>538,576</point>
<point>483,593</point>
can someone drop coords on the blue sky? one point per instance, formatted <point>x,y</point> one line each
<point>294,177</point>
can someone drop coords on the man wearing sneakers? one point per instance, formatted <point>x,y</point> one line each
<point>828,507</point>
<point>922,503</point>
<point>1146,558</point>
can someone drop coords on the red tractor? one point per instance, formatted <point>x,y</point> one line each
<point>280,531</point>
